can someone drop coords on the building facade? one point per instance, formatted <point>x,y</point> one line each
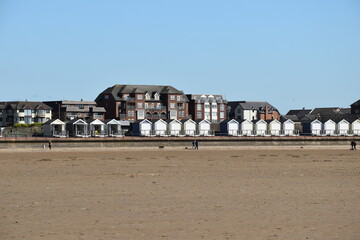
<point>208,107</point>
<point>24,113</point>
<point>137,102</point>
<point>252,111</point>
<point>69,110</point>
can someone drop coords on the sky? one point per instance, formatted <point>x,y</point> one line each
<point>292,54</point>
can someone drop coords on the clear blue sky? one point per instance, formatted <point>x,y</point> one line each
<point>292,54</point>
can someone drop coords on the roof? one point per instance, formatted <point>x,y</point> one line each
<point>330,111</point>
<point>246,105</point>
<point>25,105</point>
<point>357,103</point>
<point>299,112</point>
<point>119,89</point>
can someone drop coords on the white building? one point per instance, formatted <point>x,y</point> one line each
<point>97,128</point>
<point>343,128</point>
<point>54,128</point>
<point>246,128</point>
<point>355,127</point>
<point>113,128</point>
<point>229,127</point>
<point>260,128</point>
<point>316,127</point>
<point>174,127</point>
<point>78,128</point>
<point>188,127</point>
<point>329,128</point>
<point>288,128</point>
<point>274,127</point>
<point>204,128</point>
<point>160,127</point>
<point>142,128</point>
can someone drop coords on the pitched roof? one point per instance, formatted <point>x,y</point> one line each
<point>119,89</point>
<point>299,112</point>
<point>330,111</point>
<point>247,105</point>
<point>25,105</point>
<point>357,103</point>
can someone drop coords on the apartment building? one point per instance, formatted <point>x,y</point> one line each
<point>137,102</point>
<point>68,110</point>
<point>246,110</point>
<point>208,107</point>
<point>24,112</point>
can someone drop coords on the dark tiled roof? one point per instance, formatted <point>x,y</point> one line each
<point>25,105</point>
<point>330,111</point>
<point>119,89</point>
<point>357,103</point>
<point>299,112</point>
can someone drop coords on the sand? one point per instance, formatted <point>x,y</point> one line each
<point>173,193</point>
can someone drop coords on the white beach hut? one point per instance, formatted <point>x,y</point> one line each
<point>160,127</point>
<point>343,127</point>
<point>229,127</point>
<point>204,127</point>
<point>1,131</point>
<point>113,128</point>
<point>174,127</point>
<point>77,128</point>
<point>142,128</point>
<point>288,128</point>
<point>329,127</point>
<point>274,127</point>
<point>355,127</point>
<point>246,128</point>
<point>54,128</point>
<point>188,127</point>
<point>96,128</point>
<point>260,128</point>
<point>316,127</point>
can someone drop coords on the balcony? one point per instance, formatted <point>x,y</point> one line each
<point>128,99</point>
<point>160,108</point>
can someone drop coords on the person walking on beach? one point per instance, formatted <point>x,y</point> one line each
<point>194,144</point>
<point>50,144</point>
<point>353,145</point>
<point>197,145</point>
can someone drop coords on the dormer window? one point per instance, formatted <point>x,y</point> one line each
<point>157,96</point>
<point>147,96</point>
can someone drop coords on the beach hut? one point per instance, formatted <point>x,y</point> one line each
<point>316,127</point>
<point>188,127</point>
<point>96,128</point>
<point>113,128</point>
<point>246,128</point>
<point>1,131</point>
<point>142,128</point>
<point>288,128</point>
<point>229,127</point>
<point>160,127</point>
<point>260,128</point>
<point>125,126</point>
<point>204,127</point>
<point>329,128</point>
<point>77,128</point>
<point>174,127</point>
<point>343,127</point>
<point>355,127</point>
<point>274,127</point>
<point>54,128</point>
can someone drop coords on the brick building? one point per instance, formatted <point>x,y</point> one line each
<point>209,107</point>
<point>137,102</point>
<point>68,110</point>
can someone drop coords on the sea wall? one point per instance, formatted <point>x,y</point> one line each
<point>8,143</point>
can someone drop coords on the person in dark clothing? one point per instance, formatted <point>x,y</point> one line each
<point>354,145</point>
<point>194,144</point>
<point>197,145</point>
<point>50,145</point>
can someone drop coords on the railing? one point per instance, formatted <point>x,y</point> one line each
<point>161,108</point>
<point>129,99</point>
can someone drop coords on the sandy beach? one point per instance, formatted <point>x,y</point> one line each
<point>176,193</point>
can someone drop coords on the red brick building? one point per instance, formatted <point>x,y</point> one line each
<point>136,102</point>
<point>209,107</point>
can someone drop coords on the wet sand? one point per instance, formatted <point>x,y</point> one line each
<point>174,193</point>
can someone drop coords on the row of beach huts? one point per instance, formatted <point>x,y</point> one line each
<point>148,128</point>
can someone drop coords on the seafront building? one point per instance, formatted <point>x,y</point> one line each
<point>252,111</point>
<point>208,107</point>
<point>24,112</point>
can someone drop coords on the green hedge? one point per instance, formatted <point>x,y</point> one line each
<point>25,125</point>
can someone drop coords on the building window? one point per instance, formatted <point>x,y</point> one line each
<point>147,96</point>
<point>140,114</point>
<point>131,113</point>
<point>139,97</point>
<point>139,104</point>
<point>157,96</point>
<point>28,112</point>
<point>106,97</point>
<point>178,97</point>
<point>222,115</point>
<point>198,107</point>
<point>198,115</point>
<point>222,107</point>
<point>80,106</point>
<point>207,105</point>
<point>48,111</point>
<point>21,110</point>
<point>173,114</point>
<point>172,97</point>
<point>172,105</point>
